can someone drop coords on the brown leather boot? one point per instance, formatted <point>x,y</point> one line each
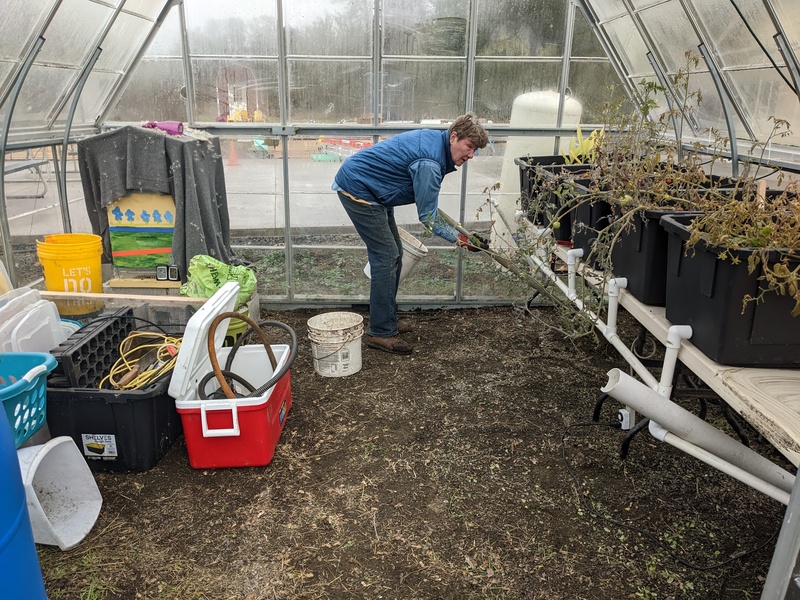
<point>389,344</point>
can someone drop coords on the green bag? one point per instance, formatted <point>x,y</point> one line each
<point>207,275</point>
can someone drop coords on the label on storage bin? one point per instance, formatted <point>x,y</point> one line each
<point>99,446</point>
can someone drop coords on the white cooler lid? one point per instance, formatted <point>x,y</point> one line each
<point>193,361</point>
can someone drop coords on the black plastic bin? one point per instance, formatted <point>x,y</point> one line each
<point>532,182</point>
<point>706,293</point>
<point>588,219</point>
<point>640,255</point>
<point>115,430</point>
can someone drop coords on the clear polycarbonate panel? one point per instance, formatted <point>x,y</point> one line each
<point>766,96</point>
<point>734,43</point>
<point>521,27</point>
<point>637,4</point>
<point>123,41</point>
<point>594,85</point>
<point>95,91</point>
<point>328,257</point>
<point>584,40</point>
<point>499,85</point>
<point>433,28</point>
<point>36,98</point>
<point>154,93</point>
<point>629,45</point>
<point>607,9</point>
<point>417,90</point>
<point>254,181</point>
<point>167,41</point>
<point>330,91</point>
<point>333,28</point>
<point>671,33</point>
<point>709,114</point>
<point>146,8</point>
<point>790,20</point>
<point>69,40</point>
<point>232,27</point>
<point>244,91</point>
<point>18,26</point>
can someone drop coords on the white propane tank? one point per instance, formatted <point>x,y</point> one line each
<point>534,109</point>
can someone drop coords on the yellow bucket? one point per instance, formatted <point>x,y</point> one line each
<point>236,327</point>
<point>72,263</point>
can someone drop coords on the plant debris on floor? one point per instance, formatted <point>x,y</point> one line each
<point>471,469</point>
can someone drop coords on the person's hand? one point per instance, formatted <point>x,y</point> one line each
<point>474,243</point>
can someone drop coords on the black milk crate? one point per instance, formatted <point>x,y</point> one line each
<point>89,353</point>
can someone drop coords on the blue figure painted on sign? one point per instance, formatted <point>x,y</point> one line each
<point>168,216</point>
<point>145,216</point>
<point>156,216</point>
<point>130,215</point>
<point>117,212</point>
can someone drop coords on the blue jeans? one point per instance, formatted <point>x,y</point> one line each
<point>378,229</point>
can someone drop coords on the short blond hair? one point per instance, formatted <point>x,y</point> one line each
<point>468,126</point>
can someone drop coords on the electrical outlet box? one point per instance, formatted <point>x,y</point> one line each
<point>624,418</point>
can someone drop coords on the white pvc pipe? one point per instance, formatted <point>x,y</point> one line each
<point>694,430</point>
<point>736,472</point>
<point>614,286</point>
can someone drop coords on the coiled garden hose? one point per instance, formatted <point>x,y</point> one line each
<point>222,374</point>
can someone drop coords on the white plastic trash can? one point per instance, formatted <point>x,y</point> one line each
<point>62,495</point>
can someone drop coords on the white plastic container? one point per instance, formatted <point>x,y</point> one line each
<point>62,495</point>
<point>413,252</point>
<point>336,343</point>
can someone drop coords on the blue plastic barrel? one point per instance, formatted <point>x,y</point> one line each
<point>20,574</point>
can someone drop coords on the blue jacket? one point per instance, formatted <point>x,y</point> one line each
<point>403,169</point>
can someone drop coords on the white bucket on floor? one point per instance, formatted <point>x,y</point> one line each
<point>336,343</point>
<point>413,251</point>
<point>62,495</point>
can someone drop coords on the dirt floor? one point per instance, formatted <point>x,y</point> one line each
<point>472,469</point>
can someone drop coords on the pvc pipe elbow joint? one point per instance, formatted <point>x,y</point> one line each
<point>676,334</point>
<point>616,284</point>
<point>573,255</point>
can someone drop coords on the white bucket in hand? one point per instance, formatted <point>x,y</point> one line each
<point>413,251</point>
<point>336,343</point>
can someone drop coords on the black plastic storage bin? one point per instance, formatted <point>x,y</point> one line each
<point>589,218</point>
<point>116,430</point>
<point>640,255</point>
<point>706,293</point>
<point>532,181</point>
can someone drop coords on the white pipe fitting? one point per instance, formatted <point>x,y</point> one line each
<point>614,286</point>
<point>573,257</point>
<point>675,336</point>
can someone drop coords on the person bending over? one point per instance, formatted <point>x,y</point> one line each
<point>405,169</point>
